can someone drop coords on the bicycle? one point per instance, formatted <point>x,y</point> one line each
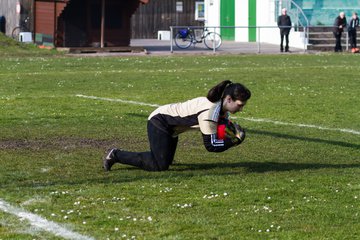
<point>23,27</point>
<point>185,37</point>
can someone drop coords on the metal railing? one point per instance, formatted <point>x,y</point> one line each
<point>331,27</point>
<point>296,13</point>
<point>218,28</point>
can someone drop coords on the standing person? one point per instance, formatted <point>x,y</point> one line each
<point>339,25</point>
<point>284,23</point>
<point>354,23</point>
<point>168,121</point>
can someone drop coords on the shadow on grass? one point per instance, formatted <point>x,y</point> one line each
<point>124,174</point>
<point>127,174</point>
<point>306,139</point>
<point>259,167</point>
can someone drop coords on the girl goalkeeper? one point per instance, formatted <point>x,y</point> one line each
<point>210,114</point>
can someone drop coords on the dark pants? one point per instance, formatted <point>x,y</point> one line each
<point>282,42</point>
<point>352,38</point>
<point>338,47</point>
<point>160,156</point>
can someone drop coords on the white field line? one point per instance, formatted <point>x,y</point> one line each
<point>301,125</point>
<point>42,223</point>
<point>117,100</point>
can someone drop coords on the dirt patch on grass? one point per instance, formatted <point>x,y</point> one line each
<point>58,143</point>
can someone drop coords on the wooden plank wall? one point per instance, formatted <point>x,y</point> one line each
<point>44,18</point>
<point>160,15</point>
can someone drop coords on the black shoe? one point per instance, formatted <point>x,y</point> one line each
<point>109,159</point>
<point>281,50</point>
<point>338,49</point>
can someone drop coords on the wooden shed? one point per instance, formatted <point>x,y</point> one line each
<point>84,23</point>
<point>159,15</point>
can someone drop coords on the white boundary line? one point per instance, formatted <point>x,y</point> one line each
<point>39,222</point>
<point>344,130</point>
<point>117,100</point>
<point>301,125</point>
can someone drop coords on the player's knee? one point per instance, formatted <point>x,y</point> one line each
<point>163,163</point>
<point>162,167</point>
<point>157,167</point>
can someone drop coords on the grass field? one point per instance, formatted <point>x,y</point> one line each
<point>284,182</point>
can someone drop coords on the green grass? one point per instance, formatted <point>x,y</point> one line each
<point>12,48</point>
<point>295,182</point>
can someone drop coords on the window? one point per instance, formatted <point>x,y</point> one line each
<point>199,11</point>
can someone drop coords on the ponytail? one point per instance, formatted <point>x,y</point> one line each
<point>236,91</point>
<point>216,93</point>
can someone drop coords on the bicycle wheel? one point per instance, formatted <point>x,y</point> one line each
<point>183,42</point>
<point>212,39</point>
<point>15,33</point>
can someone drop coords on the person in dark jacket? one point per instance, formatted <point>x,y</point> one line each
<point>284,23</point>
<point>354,23</point>
<point>339,25</point>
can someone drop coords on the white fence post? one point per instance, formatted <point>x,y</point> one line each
<point>171,38</point>
<point>214,50</point>
<point>304,39</point>
<point>258,30</point>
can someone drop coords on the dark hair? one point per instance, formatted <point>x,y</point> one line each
<point>236,91</point>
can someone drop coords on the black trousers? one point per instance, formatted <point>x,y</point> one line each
<point>286,42</point>
<point>338,47</point>
<point>352,38</point>
<point>160,156</point>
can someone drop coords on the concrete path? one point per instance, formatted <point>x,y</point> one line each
<point>162,48</point>
<point>157,47</point>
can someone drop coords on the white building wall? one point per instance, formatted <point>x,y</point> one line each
<point>241,20</point>
<point>265,14</point>
<point>266,17</point>
<point>212,14</point>
<point>212,17</point>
